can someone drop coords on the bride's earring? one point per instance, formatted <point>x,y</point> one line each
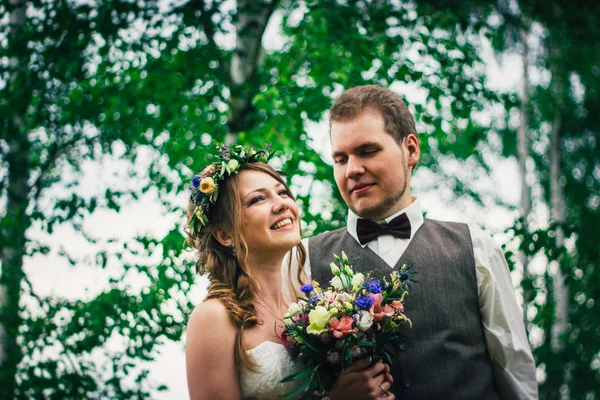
<point>231,247</point>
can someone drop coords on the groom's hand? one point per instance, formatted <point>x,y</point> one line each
<point>363,381</point>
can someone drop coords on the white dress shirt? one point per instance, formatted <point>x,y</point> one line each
<point>512,362</point>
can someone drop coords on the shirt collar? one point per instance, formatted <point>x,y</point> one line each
<point>414,212</point>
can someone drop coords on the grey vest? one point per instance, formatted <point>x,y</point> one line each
<point>444,355</point>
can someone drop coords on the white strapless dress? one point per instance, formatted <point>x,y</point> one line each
<point>275,364</point>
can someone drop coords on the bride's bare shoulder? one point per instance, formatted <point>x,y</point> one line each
<point>210,358</point>
<point>211,315</point>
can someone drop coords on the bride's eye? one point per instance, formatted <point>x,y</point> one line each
<point>284,192</point>
<point>255,200</point>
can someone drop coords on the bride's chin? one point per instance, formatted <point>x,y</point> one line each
<point>292,243</point>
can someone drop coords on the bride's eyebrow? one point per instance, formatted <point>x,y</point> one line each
<point>260,190</point>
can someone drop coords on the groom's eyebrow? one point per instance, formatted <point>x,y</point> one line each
<point>367,145</point>
<point>357,149</point>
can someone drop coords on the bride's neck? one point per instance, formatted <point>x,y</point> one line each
<point>269,285</point>
<point>268,277</point>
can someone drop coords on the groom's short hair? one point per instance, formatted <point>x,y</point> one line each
<point>398,121</point>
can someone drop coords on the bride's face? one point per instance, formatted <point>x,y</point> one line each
<point>270,218</point>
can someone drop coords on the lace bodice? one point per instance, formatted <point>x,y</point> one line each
<point>275,364</point>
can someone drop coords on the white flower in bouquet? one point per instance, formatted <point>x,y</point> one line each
<point>293,310</point>
<point>364,320</point>
<point>357,281</point>
<point>335,270</point>
<point>341,282</point>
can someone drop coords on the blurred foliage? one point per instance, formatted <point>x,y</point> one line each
<point>80,80</point>
<point>567,51</point>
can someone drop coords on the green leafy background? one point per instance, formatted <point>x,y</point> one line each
<point>106,109</point>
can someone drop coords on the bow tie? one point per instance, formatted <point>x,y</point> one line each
<point>368,230</point>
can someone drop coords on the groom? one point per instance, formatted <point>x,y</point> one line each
<point>467,340</point>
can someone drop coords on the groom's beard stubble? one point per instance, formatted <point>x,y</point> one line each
<point>387,204</point>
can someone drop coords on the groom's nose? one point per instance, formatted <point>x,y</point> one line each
<point>354,167</point>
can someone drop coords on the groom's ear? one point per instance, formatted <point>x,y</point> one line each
<point>223,237</point>
<point>411,142</point>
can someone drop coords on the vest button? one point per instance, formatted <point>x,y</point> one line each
<point>403,347</point>
<point>407,384</point>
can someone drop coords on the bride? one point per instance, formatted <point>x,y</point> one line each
<point>242,220</point>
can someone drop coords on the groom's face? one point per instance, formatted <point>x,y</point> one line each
<point>371,168</point>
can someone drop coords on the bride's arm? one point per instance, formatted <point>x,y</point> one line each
<point>210,360</point>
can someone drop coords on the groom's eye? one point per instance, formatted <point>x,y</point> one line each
<point>369,152</point>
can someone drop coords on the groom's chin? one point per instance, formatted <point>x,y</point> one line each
<point>367,210</point>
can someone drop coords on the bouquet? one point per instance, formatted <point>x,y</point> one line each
<point>329,329</point>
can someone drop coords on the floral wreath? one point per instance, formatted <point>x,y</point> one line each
<point>205,187</point>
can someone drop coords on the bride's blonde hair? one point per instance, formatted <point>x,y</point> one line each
<point>228,273</point>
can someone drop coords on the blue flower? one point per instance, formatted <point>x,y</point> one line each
<point>307,288</point>
<point>373,286</point>
<point>313,299</point>
<point>195,182</point>
<point>364,302</point>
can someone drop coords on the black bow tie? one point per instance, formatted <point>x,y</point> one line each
<point>368,230</point>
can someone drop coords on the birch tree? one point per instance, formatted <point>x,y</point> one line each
<point>565,157</point>
<point>12,249</point>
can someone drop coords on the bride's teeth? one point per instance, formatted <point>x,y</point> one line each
<point>282,223</point>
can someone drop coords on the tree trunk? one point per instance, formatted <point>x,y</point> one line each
<point>252,19</point>
<point>555,372</point>
<point>523,156</point>
<point>13,228</point>
<point>557,214</point>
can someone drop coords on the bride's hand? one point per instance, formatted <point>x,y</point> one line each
<point>363,381</point>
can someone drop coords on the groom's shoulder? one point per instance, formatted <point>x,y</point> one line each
<point>450,230</point>
<point>445,225</point>
<point>329,237</point>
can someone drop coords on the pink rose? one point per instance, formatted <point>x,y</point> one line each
<point>398,305</point>
<point>300,317</point>
<point>379,311</point>
<point>342,328</point>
